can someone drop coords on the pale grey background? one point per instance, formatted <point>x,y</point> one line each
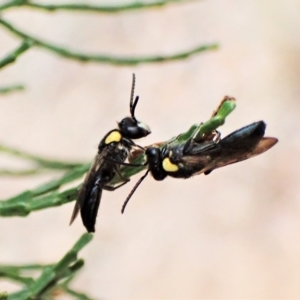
<point>234,234</point>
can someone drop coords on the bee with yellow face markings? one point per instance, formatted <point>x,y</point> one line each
<point>113,150</point>
<point>184,160</point>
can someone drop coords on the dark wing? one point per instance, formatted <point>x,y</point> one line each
<point>220,159</point>
<point>240,145</point>
<point>89,194</point>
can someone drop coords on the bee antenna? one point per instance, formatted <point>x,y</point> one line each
<point>133,190</point>
<point>133,103</point>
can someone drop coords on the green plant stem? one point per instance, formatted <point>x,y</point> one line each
<point>50,277</point>
<point>77,295</point>
<point>87,7</point>
<point>114,60</point>
<point>46,163</point>
<point>12,88</point>
<point>29,203</point>
<point>218,118</point>
<point>14,276</point>
<point>7,172</point>
<point>11,57</point>
<point>45,195</point>
<point>19,268</point>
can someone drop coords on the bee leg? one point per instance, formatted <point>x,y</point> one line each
<point>121,163</point>
<point>191,139</point>
<point>217,137</point>
<point>117,170</point>
<point>112,188</point>
<point>187,145</point>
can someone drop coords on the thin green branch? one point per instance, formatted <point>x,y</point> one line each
<point>53,199</point>
<point>14,272</point>
<point>20,268</point>
<point>54,284</point>
<point>14,276</point>
<point>12,88</point>
<point>30,200</point>
<point>40,197</point>
<point>9,4</point>
<point>218,118</point>
<point>77,295</point>
<point>51,276</point>
<point>11,57</point>
<point>88,8</point>
<point>114,60</point>
<point>30,203</point>
<point>44,162</point>
<point>16,173</point>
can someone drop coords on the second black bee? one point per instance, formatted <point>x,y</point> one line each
<point>187,159</point>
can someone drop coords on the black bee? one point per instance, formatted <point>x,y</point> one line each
<point>113,150</point>
<point>184,160</point>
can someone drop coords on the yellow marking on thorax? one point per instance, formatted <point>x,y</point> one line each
<point>114,136</point>
<point>168,166</point>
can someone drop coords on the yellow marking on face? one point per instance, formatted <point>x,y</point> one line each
<point>114,136</point>
<point>169,166</point>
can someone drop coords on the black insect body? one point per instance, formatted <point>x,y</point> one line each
<point>113,150</point>
<point>192,158</point>
<point>178,161</point>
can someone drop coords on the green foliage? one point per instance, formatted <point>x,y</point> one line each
<point>53,279</point>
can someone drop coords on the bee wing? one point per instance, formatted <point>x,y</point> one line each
<point>90,206</point>
<point>88,191</point>
<point>242,144</point>
<point>218,157</point>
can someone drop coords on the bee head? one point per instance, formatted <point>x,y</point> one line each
<point>133,129</point>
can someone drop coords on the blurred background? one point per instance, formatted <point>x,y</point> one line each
<point>234,234</point>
